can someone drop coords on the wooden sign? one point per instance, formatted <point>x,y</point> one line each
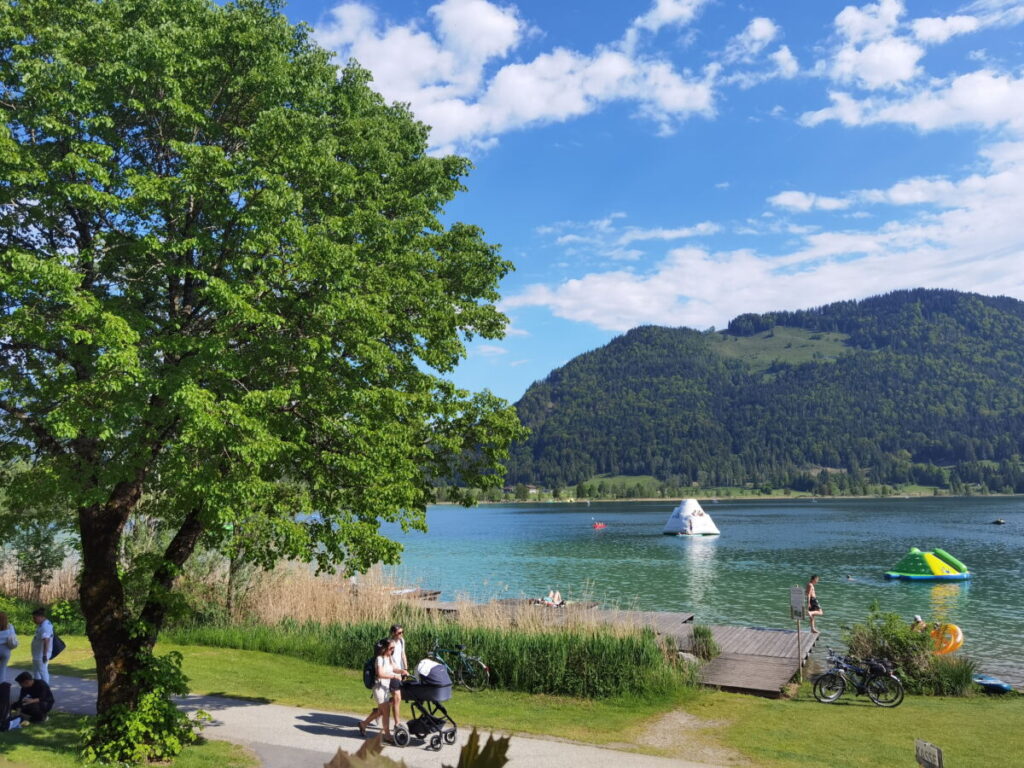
<point>796,603</point>
<point>928,755</point>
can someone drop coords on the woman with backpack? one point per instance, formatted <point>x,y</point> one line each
<point>386,670</point>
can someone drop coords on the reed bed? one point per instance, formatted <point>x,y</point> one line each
<point>63,585</point>
<point>594,663</point>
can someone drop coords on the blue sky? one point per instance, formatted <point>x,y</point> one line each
<point>679,162</point>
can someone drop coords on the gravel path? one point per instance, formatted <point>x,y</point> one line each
<point>294,737</point>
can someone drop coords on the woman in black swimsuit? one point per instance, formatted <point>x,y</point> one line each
<point>813,606</point>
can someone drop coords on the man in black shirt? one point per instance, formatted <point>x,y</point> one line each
<point>36,699</point>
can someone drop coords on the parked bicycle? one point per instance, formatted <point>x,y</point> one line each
<point>871,677</point>
<point>468,671</point>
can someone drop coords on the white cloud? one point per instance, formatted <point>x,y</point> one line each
<point>669,13</point>
<point>983,99</point>
<point>456,82</point>
<point>936,31</point>
<point>869,22</point>
<point>632,235</point>
<point>752,40</point>
<point>476,29</point>
<point>491,350</point>
<point>805,201</point>
<point>785,62</point>
<point>966,236</point>
<point>879,64</point>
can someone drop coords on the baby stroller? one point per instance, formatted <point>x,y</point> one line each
<point>430,720</point>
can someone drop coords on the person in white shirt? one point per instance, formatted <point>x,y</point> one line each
<point>401,663</point>
<point>42,646</point>
<point>8,642</point>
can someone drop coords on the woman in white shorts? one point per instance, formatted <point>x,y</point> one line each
<point>386,672</point>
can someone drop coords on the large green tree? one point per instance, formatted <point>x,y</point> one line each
<point>226,290</point>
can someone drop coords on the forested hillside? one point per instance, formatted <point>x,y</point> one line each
<point>921,386</point>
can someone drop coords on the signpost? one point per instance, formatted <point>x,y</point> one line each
<point>797,612</point>
<point>928,755</point>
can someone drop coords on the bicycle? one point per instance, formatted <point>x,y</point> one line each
<point>873,677</point>
<point>468,671</point>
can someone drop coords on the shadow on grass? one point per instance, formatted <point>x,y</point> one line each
<point>58,735</point>
<point>70,671</point>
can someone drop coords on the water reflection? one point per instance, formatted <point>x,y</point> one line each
<point>700,567</point>
<point>945,600</point>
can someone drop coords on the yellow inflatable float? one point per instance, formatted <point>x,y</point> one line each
<point>948,638</point>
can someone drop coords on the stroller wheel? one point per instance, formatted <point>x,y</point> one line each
<point>451,736</point>
<point>401,735</point>
<point>435,743</point>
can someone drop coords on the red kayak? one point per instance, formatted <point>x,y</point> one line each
<point>599,526</point>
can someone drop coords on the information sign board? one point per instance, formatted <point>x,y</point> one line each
<point>796,603</point>
<point>928,755</point>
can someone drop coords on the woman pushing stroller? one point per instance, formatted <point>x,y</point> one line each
<point>388,669</point>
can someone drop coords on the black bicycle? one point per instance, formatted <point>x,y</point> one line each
<point>468,671</point>
<point>874,678</point>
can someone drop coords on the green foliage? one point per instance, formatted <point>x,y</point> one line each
<point>155,729</point>
<point>66,616</point>
<point>19,612</point>
<point>39,551</point>
<point>914,387</point>
<point>950,676</point>
<point>586,664</point>
<point>703,644</point>
<point>228,300</point>
<point>886,635</point>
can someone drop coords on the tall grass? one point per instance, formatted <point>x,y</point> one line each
<point>951,676</point>
<point>594,663</point>
<point>702,643</point>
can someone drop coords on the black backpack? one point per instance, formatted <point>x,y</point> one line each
<point>370,665</point>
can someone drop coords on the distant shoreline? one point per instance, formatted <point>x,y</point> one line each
<point>722,499</point>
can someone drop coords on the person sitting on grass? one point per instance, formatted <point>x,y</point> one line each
<point>36,699</point>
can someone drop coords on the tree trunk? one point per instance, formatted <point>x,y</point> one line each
<point>103,603</point>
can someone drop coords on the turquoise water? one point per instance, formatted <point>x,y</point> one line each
<point>744,575</point>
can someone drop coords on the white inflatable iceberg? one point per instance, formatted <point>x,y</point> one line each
<point>689,519</point>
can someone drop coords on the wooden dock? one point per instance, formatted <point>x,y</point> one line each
<point>754,660</point>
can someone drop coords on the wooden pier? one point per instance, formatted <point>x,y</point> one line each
<point>756,660</point>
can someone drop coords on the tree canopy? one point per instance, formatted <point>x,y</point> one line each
<point>227,292</point>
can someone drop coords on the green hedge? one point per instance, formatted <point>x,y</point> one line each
<point>585,664</point>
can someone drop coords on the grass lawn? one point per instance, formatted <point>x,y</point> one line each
<point>977,731</point>
<point>54,744</point>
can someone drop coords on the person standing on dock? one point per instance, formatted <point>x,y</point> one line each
<point>813,606</point>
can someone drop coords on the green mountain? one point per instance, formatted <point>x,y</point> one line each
<point>921,386</point>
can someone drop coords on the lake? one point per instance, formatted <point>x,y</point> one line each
<point>744,575</point>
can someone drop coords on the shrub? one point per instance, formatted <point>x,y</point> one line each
<point>703,644</point>
<point>950,676</point>
<point>153,731</point>
<point>886,635</point>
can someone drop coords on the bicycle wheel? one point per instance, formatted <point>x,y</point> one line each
<point>885,691</point>
<point>473,674</point>
<point>829,687</point>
